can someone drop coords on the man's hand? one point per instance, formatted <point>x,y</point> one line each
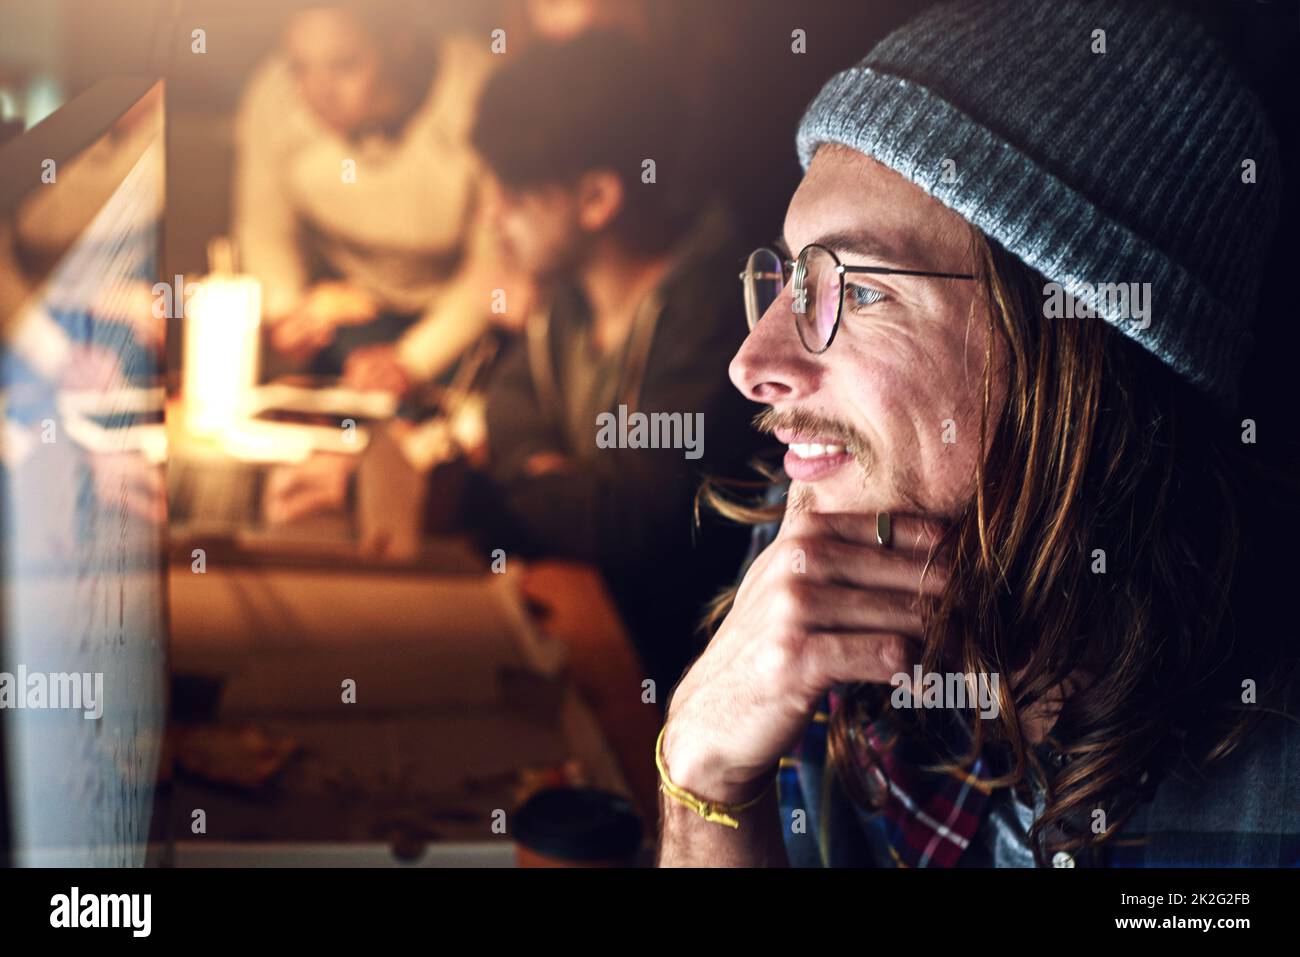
<point>311,326</point>
<point>823,604</point>
<point>376,368</point>
<point>318,485</point>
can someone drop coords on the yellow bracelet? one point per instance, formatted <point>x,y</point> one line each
<point>714,812</point>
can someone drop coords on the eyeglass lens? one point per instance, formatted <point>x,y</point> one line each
<point>814,296</point>
<point>764,280</point>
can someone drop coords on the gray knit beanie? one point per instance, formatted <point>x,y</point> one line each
<point>1094,168</point>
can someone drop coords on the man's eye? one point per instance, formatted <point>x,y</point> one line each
<point>861,296</point>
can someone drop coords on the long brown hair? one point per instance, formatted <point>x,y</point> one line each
<point>1098,454</point>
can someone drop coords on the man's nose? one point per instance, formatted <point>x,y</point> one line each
<point>772,365</point>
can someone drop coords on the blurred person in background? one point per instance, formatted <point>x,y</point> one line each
<point>339,316</point>
<point>636,280</point>
<point>357,201</point>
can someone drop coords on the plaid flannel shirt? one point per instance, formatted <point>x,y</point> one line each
<point>1244,812</point>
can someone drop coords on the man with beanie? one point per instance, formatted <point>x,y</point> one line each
<point>1001,610</point>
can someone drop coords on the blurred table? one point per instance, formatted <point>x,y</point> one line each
<point>273,613</point>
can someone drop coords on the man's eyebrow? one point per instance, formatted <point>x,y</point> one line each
<point>864,243</point>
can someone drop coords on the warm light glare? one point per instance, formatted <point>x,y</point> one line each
<point>221,352</point>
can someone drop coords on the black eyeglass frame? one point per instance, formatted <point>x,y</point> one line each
<point>798,270</point>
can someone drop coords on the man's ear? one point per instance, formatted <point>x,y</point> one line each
<point>600,197</point>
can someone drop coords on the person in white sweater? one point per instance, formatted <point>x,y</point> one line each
<point>358,203</point>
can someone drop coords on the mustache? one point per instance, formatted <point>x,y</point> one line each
<point>801,420</point>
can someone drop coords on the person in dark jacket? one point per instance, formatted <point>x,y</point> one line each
<point>614,402</point>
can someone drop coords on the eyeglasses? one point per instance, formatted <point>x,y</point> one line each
<point>817,296</point>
